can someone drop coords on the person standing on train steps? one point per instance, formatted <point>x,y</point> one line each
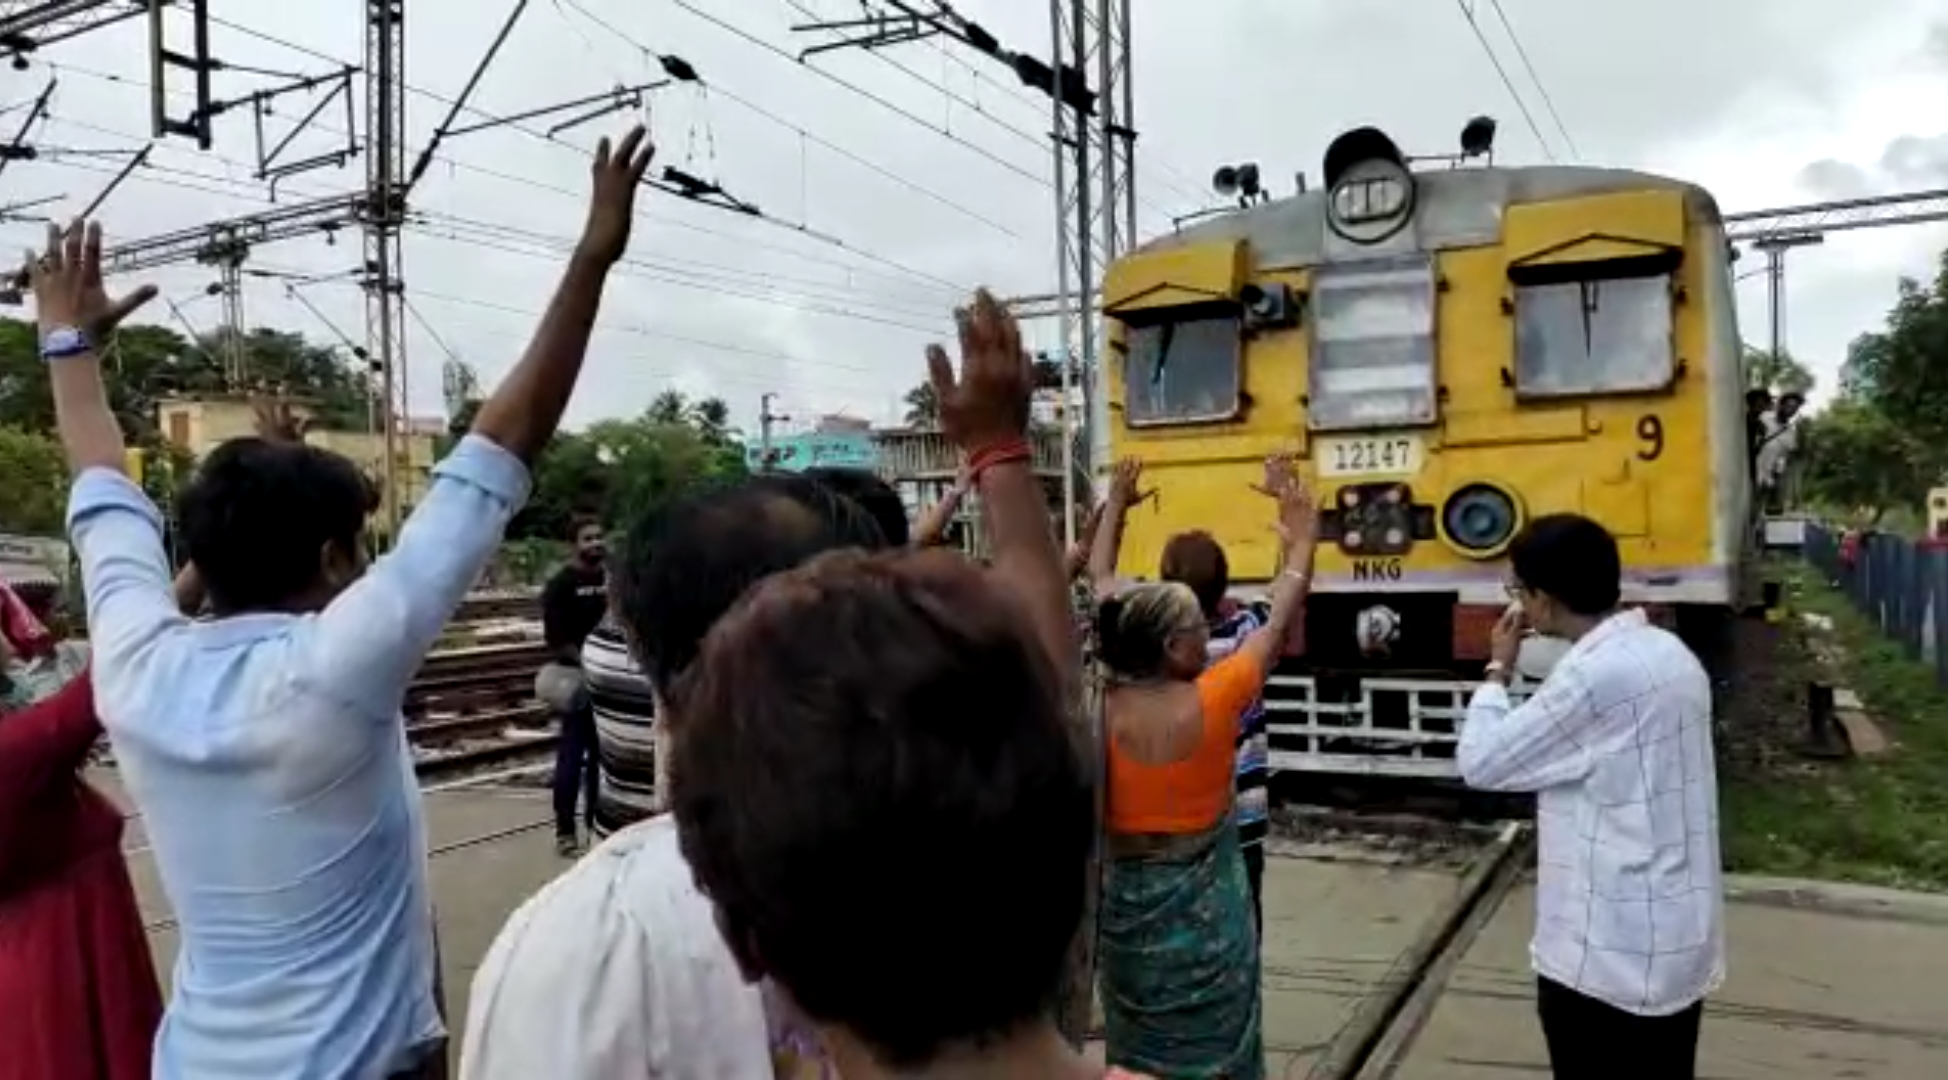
<point>265,746</point>
<point>572,605</point>
<point>1616,745</point>
<point>1775,453</point>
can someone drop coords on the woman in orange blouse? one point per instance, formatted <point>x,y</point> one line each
<point>1179,947</point>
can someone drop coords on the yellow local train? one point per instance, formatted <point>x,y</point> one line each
<point>1452,351</point>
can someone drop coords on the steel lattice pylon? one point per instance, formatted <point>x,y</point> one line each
<point>1095,208</point>
<point>383,214</point>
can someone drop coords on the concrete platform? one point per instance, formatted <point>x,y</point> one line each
<point>1818,994</point>
<point>1332,931</point>
<point>1826,982</point>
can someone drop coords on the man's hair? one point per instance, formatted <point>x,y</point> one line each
<point>874,782</point>
<point>257,516</point>
<point>580,522</point>
<point>685,562</point>
<point>1196,559</point>
<point>1571,559</point>
<point>874,494</point>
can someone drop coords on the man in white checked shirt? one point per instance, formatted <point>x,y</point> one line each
<point>1616,744</point>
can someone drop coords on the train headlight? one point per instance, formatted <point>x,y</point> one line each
<point>1479,520</point>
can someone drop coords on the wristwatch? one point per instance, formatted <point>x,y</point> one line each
<point>1495,670</point>
<point>61,342</point>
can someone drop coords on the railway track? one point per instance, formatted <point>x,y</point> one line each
<point>1376,1040</point>
<point>495,606</point>
<point>474,708</point>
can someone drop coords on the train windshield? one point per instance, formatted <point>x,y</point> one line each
<point>1182,372</point>
<point>1594,337</point>
<point>1373,344</point>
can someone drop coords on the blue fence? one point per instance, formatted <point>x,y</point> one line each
<point>1899,585</point>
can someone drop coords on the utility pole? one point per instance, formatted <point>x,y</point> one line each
<point>1775,248</point>
<point>766,418</point>
<point>1094,149</point>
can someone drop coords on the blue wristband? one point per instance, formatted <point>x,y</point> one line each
<point>62,342</point>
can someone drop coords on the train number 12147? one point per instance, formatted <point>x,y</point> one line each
<point>1380,454</point>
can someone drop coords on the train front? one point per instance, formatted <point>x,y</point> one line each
<point>1452,352</point>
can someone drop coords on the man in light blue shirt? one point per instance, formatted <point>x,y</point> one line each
<point>265,747</point>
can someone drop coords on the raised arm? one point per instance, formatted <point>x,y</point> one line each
<point>985,412</point>
<point>1107,546</point>
<point>1298,531</point>
<point>116,530</point>
<point>525,409</point>
<point>933,524</point>
<point>76,315</point>
<point>371,639</point>
<point>1076,561</point>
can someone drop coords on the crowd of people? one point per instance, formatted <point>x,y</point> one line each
<point>860,806</point>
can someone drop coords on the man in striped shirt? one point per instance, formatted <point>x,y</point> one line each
<point>1197,561</point>
<point>625,732</point>
<point>626,736</point>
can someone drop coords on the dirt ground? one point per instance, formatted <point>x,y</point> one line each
<point>1762,719</point>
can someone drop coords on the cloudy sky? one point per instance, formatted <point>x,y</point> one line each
<point>893,180</point>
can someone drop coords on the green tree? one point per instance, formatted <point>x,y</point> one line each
<point>922,407</point>
<point>1903,368</point>
<point>1780,373</point>
<point>33,483</point>
<point>1857,458</point>
<point>620,468</point>
<point>144,364</point>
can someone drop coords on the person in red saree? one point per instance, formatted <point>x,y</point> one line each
<point>79,998</point>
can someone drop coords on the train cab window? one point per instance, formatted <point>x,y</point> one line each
<point>1184,371</point>
<point>1372,344</point>
<point>1594,337</point>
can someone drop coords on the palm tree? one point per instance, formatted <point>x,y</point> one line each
<point>669,407</point>
<point>711,418</point>
<point>922,407</point>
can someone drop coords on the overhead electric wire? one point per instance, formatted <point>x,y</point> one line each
<point>905,271</point>
<point>1521,53</point>
<point>749,378</point>
<point>1528,117</point>
<point>700,272</point>
<point>625,273</point>
<point>852,156</point>
<point>877,99</point>
<point>1035,139</point>
<point>439,342</point>
<point>554,248</point>
<point>634,268</point>
<point>798,129</point>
